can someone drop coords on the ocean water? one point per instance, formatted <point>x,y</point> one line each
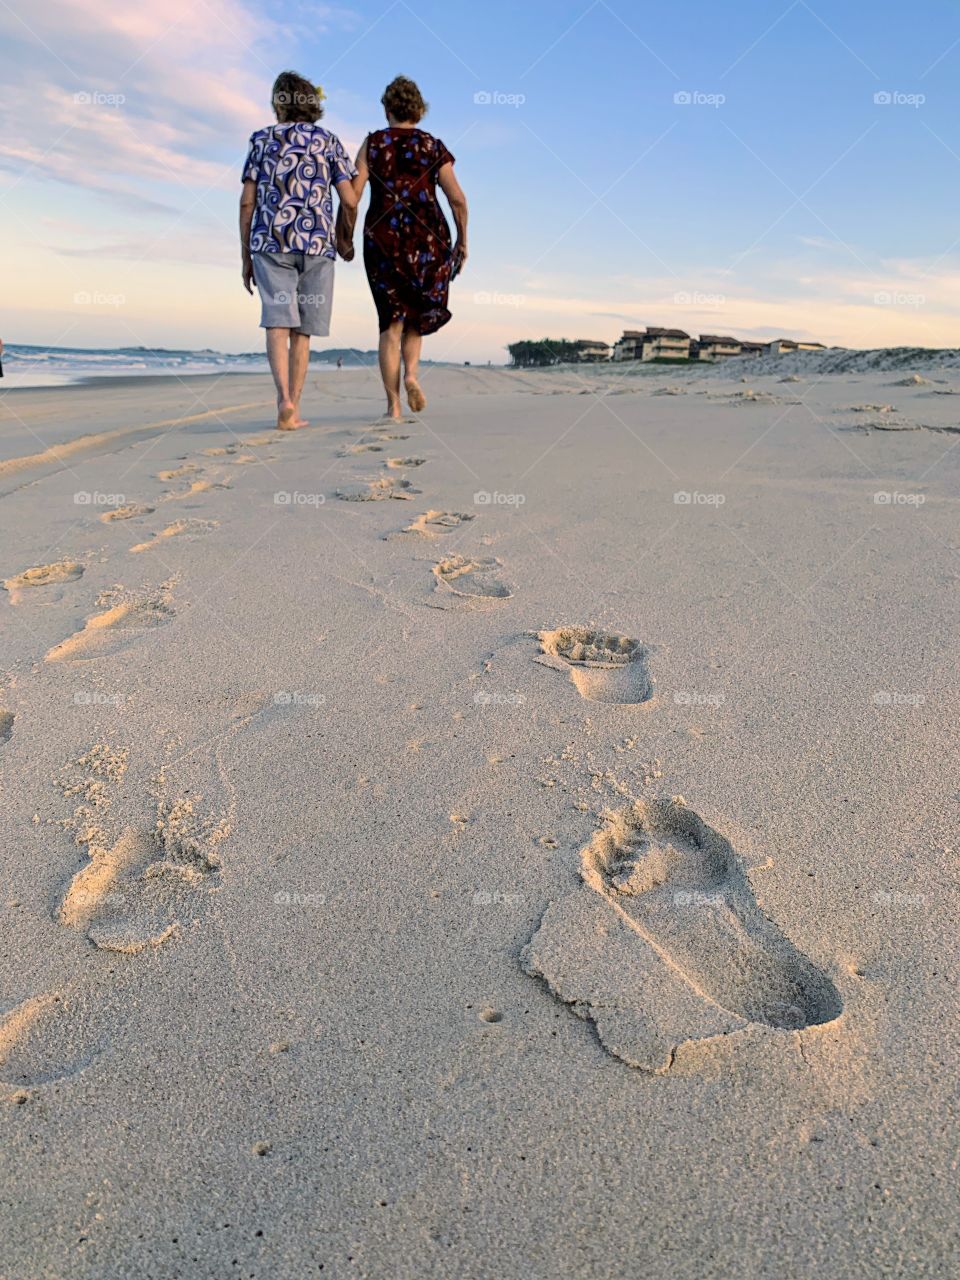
<point>26,366</point>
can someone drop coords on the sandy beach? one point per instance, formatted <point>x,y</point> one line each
<point>517,842</point>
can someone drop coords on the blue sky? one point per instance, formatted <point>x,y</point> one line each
<point>783,197</point>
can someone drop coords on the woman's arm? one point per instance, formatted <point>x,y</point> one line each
<point>458,204</point>
<point>363,171</point>
<point>350,193</point>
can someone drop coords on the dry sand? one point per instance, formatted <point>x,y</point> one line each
<point>551,873</point>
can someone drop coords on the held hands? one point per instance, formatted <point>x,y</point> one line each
<point>247,273</point>
<point>345,248</point>
<point>458,259</point>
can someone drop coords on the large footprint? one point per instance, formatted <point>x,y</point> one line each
<point>604,668</point>
<point>664,942</point>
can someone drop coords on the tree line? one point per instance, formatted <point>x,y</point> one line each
<point>544,351</point>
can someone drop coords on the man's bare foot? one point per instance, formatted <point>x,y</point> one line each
<point>415,397</point>
<point>288,417</point>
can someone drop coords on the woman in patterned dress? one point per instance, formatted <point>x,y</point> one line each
<point>407,249</point>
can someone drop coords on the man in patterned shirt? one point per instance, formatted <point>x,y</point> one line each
<point>288,233</point>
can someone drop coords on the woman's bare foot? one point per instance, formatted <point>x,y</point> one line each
<point>415,397</point>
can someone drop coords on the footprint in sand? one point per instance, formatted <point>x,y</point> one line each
<point>129,512</point>
<point>219,451</point>
<point>6,725</point>
<point>197,486</point>
<point>354,449</point>
<point>473,583</point>
<point>376,489</point>
<point>119,625</point>
<point>44,575</point>
<point>397,463</point>
<point>175,473</point>
<point>380,433</point>
<point>151,859</point>
<point>193,528</point>
<point>604,668</point>
<point>150,863</point>
<point>664,942</point>
<point>47,1038</point>
<point>433,524</point>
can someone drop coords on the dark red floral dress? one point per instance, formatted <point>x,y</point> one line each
<point>406,240</point>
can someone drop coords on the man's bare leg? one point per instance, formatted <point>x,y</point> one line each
<point>278,353</point>
<point>299,363</point>
<point>410,345</point>
<point>390,367</point>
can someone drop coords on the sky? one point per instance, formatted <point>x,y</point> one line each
<point>769,168</point>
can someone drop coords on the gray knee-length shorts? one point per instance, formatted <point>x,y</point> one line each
<point>296,291</point>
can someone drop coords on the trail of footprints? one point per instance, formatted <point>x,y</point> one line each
<point>662,943</point>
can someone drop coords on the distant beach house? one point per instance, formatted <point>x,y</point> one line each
<point>781,346</point>
<point>712,347</point>
<point>653,344</point>
<point>589,350</point>
<point>674,344</point>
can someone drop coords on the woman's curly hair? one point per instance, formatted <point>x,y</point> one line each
<point>296,100</point>
<point>403,100</point>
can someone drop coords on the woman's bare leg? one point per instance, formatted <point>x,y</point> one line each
<point>390,366</point>
<point>410,344</point>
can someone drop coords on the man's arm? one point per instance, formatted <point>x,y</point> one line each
<point>458,205</point>
<point>248,202</point>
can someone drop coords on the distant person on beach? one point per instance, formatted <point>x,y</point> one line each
<point>288,232</point>
<point>406,241</point>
